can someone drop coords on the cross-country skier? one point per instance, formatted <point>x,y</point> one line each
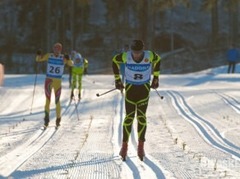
<point>139,65</point>
<point>55,69</point>
<point>79,68</point>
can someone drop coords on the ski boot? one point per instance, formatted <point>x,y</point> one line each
<point>123,151</point>
<point>141,153</point>
<point>72,95</point>
<point>46,122</point>
<point>57,122</point>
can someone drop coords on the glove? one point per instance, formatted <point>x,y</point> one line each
<point>67,56</point>
<point>39,52</point>
<point>85,71</point>
<point>155,84</point>
<point>119,84</point>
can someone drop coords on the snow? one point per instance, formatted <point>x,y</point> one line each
<point>193,132</point>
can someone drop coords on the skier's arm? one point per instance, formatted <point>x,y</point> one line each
<point>156,70</point>
<point>116,61</point>
<point>40,58</point>
<point>68,61</point>
<point>85,66</point>
<point>156,62</point>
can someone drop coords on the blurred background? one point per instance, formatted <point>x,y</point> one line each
<point>189,35</point>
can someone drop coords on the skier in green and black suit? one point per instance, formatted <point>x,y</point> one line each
<point>139,66</point>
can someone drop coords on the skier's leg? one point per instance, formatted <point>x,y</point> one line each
<point>74,81</point>
<point>229,67</point>
<point>142,105</point>
<point>127,127</point>
<point>142,126</point>
<point>128,121</point>
<point>57,92</point>
<point>79,85</point>
<point>233,67</point>
<point>127,124</point>
<point>48,90</point>
<point>70,77</point>
<point>141,117</point>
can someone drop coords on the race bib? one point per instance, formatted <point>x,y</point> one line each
<point>55,67</point>
<point>138,73</point>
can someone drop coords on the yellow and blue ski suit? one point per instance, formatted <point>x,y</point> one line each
<point>55,69</point>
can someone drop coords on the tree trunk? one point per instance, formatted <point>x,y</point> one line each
<point>72,19</point>
<point>215,28</point>
<point>48,25</point>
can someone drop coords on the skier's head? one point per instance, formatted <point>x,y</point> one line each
<point>57,48</point>
<point>137,49</point>
<point>77,57</point>
<point>137,45</point>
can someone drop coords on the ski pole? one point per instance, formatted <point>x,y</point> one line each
<point>35,81</point>
<point>76,108</point>
<point>159,94</point>
<point>105,92</point>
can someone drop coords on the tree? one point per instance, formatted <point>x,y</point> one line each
<point>212,6</point>
<point>232,7</point>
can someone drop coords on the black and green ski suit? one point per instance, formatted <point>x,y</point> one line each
<point>137,88</point>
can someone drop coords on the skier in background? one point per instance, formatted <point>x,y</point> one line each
<point>55,69</point>
<point>232,57</point>
<point>78,69</point>
<point>138,70</point>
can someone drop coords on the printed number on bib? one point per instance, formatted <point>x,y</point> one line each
<point>138,76</point>
<point>55,70</point>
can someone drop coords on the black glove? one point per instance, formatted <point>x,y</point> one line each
<point>85,71</point>
<point>155,84</point>
<point>39,52</point>
<point>66,56</point>
<point>119,84</point>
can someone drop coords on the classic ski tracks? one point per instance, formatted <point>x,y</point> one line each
<point>209,133</point>
<point>232,102</point>
<point>15,158</point>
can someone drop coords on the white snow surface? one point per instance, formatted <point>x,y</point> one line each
<point>193,132</point>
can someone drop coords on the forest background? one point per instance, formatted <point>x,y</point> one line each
<point>189,35</point>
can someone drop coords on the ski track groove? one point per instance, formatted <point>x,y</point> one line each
<point>22,153</point>
<point>87,164</point>
<point>232,102</point>
<point>148,168</point>
<point>14,159</point>
<point>209,133</point>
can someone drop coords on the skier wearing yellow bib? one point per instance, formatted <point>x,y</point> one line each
<point>79,68</point>
<point>55,69</point>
